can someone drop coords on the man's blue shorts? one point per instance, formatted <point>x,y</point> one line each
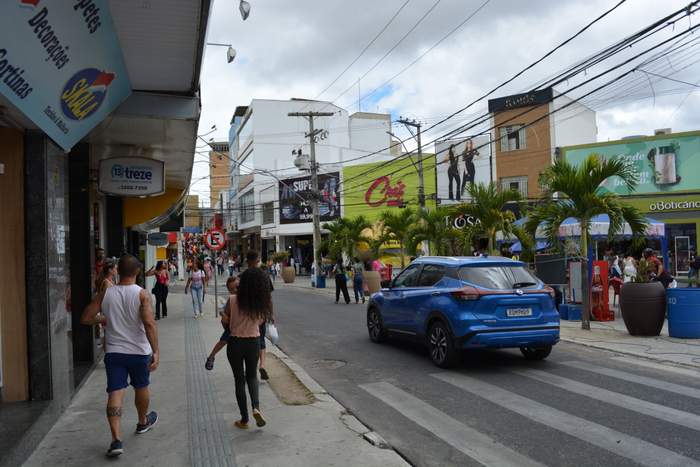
<point>123,369</point>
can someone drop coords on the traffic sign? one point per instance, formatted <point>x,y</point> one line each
<point>215,239</point>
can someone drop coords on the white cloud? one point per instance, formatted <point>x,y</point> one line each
<point>294,49</point>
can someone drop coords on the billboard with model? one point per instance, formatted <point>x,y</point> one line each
<point>461,162</point>
<point>295,194</point>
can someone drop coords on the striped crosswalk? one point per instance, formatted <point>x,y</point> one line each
<point>488,450</point>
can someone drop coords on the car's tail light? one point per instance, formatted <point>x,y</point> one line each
<point>551,292</point>
<point>466,294</point>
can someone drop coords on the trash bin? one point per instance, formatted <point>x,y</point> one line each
<point>683,312</point>
<point>320,282</point>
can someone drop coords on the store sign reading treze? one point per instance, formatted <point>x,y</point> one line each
<point>132,176</point>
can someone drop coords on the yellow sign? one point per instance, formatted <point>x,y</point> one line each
<point>370,189</point>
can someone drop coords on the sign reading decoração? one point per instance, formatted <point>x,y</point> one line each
<point>61,64</point>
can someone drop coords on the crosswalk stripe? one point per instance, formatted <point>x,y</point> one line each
<point>474,444</point>
<point>632,378</point>
<point>659,366</point>
<point>624,445</point>
<point>651,409</point>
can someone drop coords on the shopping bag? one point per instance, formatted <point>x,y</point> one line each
<point>272,333</point>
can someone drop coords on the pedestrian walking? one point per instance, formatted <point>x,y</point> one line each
<point>357,279</point>
<point>253,261</point>
<point>107,276</point>
<point>247,310</point>
<point>160,289</point>
<point>220,264</point>
<point>231,266</point>
<point>341,281</point>
<point>196,284</point>
<point>131,352</point>
<point>232,286</point>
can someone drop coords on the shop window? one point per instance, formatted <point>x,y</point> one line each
<point>247,207</point>
<point>512,137</point>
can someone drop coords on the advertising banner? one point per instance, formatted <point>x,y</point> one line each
<point>369,189</point>
<point>61,65</point>
<point>462,162</point>
<point>131,176</point>
<point>664,164</point>
<point>295,193</point>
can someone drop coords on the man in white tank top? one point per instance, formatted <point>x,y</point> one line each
<point>131,347</point>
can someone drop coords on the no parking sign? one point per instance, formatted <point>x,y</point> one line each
<point>215,239</point>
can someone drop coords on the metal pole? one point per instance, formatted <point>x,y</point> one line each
<point>421,181</point>
<point>314,182</point>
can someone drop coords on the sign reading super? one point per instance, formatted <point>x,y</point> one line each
<point>61,64</point>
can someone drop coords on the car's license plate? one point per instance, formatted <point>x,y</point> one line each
<point>516,312</point>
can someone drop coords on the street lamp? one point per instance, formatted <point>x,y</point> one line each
<point>230,52</point>
<point>244,8</point>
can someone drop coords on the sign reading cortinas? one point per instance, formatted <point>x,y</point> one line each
<point>61,64</point>
<point>131,176</point>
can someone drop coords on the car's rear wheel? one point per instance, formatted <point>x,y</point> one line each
<point>441,346</point>
<point>375,327</point>
<point>536,353</point>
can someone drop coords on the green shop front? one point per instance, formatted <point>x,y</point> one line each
<point>668,189</point>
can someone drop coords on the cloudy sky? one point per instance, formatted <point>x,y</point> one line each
<point>296,48</point>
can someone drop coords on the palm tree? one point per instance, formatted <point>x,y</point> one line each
<point>377,239</point>
<point>574,191</point>
<point>346,233</point>
<point>398,225</point>
<point>434,228</point>
<point>487,204</point>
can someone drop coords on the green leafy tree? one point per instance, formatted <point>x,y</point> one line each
<point>398,225</point>
<point>574,191</point>
<point>487,203</point>
<point>434,227</point>
<point>345,234</point>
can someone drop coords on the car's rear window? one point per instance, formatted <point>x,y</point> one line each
<point>498,277</point>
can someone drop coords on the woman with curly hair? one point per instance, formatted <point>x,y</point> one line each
<point>247,310</point>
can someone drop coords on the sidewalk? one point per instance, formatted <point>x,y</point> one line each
<point>197,409</point>
<point>611,335</point>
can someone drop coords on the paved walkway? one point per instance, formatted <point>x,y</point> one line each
<point>197,409</point>
<point>610,335</point>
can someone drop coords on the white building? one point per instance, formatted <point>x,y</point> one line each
<point>262,139</point>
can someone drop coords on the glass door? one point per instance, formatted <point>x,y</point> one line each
<point>682,250</point>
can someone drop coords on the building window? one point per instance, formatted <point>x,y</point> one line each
<point>269,213</point>
<point>515,183</point>
<point>247,207</point>
<point>512,137</point>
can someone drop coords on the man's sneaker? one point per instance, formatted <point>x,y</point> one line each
<point>259,420</point>
<point>263,374</point>
<point>115,449</point>
<point>151,420</point>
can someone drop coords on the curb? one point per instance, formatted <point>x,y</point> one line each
<point>645,356</point>
<point>351,422</point>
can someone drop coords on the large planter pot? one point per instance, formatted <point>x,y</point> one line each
<point>373,281</point>
<point>643,307</point>
<point>288,274</point>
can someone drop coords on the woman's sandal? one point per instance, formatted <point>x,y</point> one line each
<point>240,424</point>
<point>210,364</point>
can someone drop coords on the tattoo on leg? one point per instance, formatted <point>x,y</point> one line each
<point>114,411</point>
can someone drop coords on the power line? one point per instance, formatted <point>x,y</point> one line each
<point>381,31</point>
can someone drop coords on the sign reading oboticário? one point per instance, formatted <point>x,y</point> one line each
<point>132,176</point>
<point>63,67</point>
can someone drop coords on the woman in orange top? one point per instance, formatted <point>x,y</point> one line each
<point>247,310</point>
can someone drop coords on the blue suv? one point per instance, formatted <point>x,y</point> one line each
<point>455,303</point>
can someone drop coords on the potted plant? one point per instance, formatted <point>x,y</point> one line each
<point>288,273</point>
<point>643,303</point>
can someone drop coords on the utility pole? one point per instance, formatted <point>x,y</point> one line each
<point>421,183</point>
<point>314,182</point>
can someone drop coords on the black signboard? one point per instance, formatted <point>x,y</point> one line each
<point>521,100</point>
<point>295,197</point>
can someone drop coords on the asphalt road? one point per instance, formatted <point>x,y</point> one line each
<point>581,407</point>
